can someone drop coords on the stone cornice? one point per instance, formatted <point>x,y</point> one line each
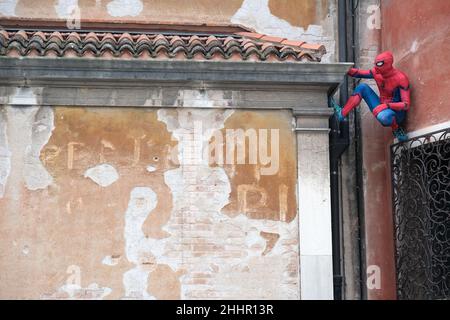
<point>301,87</point>
<point>41,70</point>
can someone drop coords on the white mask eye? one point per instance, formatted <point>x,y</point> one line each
<point>380,63</point>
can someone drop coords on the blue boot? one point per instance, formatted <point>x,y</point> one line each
<point>337,109</point>
<point>400,134</point>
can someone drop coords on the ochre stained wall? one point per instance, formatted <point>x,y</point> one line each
<point>300,13</point>
<point>121,203</point>
<point>132,10</point>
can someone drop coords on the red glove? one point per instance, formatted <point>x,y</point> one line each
<point>379,108</point>
<point>352,72</point>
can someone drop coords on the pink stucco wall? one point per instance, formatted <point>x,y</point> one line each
<point>418,34</point>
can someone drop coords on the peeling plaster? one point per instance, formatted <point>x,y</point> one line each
<point>122,8</point>
<point>256,15</point>
<point>230,251</point>
<point>24,96</point>
<point>201,99</point>
<point>103,174</point>
<point>5,154</point>
<point>26,250</point>
<point>93,291</point>
<point>155,99</point>
<point>35,174</point>
<point>111,260</point>
<point>142,201</point>
<point>8,8</point>
<point>65,7</point>
<point>150,169</point>
<point>271,240</point>
<point>234,269</point>
<point>28,131</point>
<point>238,250</point>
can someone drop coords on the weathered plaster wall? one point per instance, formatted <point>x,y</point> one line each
<point>126,10</point>
<point>119,203</point>
<point>96,203</point>
<point>308,20</point>
<point>311,21</point>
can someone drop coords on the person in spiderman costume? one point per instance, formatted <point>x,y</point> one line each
<point>394,101</point>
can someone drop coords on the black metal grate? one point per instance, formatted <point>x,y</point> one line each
<point>421,200</point>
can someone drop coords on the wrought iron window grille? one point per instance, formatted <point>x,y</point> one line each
<point>421,205</point>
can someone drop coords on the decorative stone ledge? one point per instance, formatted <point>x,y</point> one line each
<point>302,87</point>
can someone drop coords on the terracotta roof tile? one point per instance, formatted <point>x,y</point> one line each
<point>213,41</point>
<point>91,36</point>
<point>125,37</point>
<point>176,40</point>
<point>143,38</point>
<point>56,36</point>
<point>249,44</point>
<point>292,43</point>
<point>109,36</point>
<point>21,34</point>
<point>273,39</point>
<point>39,35</point>
<point>74,36</point>
<point>235,47</point>
<point>267,45</point>
<point>317,47</point>
<point>195,40</point>
<point>251,35</point>
<point>228,39</point>
<point>4,34</point>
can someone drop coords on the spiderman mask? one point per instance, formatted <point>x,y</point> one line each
<point>384,63</point>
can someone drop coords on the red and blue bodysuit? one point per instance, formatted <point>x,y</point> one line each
<point>394,101</point>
